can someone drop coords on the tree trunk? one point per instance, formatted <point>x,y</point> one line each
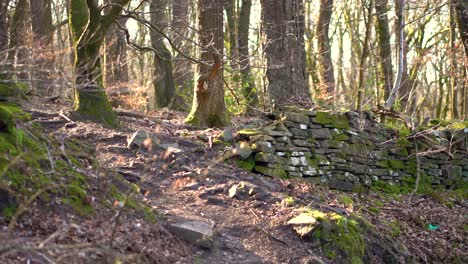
<point>88,29</point>
<point>42,28</point>
<point>20,31</point>
<point>116,72</point>
<point>283,25</point>
<point>182,68</point>
<point>208,108</point>
<point>326,73</point>
<point>407,99</point>
<point>164,87</point>
<point>383,33</point>
<point>3,28</point>
<point>364,55</point>
<point>462,15</point>
<point>229,6</point>
<point>248,83</point>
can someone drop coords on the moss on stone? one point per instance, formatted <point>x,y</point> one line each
<point>344,236</point>
<point>273,172</point>
<point>334,120</point>
<point>247,164</point>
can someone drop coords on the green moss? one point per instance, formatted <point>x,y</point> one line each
<point>342,235</point>
<point>346,200</point>
<point>274,172</point>
<point>395,228</point>
<point>288,201</point>
<point>392,164</point>
<point>334,120</point>
<point>247,164</point>
<point>76,195</point>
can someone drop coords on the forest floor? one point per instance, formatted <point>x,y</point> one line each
<point>192,183</point>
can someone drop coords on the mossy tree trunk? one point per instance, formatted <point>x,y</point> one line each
<point>208,108</point>
<point>88,29</point>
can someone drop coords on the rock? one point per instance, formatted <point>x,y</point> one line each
<point>117,149</point>
<point>296,118</point>
<point>143,140</point>
<point>300,133</point>
<point>279,173</point>
<point>320,133</point>
<point>280,133</point>
<point>244,189</point>
<point>196,232</point>
<point>303,224</point>
<point>341,185</point>
<point>242,150</point>
<point>262,146</point>
<point>227,135</point>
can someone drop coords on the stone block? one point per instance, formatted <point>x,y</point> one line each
<point>296,118</point>
<point>320,133</point>
<point>297,132</point>
<point>263,146</point>
<point>341,185</point>
<point>303,143</point>
<point>279,173</point>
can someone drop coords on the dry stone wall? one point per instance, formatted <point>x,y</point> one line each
<point>349,151</point>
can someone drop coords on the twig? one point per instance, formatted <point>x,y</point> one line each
<point>270,236</point>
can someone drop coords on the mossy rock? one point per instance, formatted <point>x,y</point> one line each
<point>333,120</point>
<point>247,164</point>
<point>353,240</point>
<point>273,172</point>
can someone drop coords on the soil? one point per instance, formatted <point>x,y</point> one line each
<point>194,184</point>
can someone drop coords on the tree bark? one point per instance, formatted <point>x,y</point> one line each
<point>20,31</point>
<point>326,73</point>
<point>182,68</point>
<point>116,72</point>
<point>407,100</point>
<point>229,6</point>
<point>208,108</point>
<point>88,29</point>
<point>164,87</point>
<point>364,55</point>
<point>42,29</point>
<point>3,28</point>
<point>462,19</point>
<point>283,26</point>
<point>383,33</point>
<point>248,83</point>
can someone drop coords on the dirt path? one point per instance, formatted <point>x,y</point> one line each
<point>192,185</point>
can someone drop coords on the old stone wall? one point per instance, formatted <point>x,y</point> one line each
<point>349,151</point>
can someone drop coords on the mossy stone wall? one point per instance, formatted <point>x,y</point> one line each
<point>349,151</point>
